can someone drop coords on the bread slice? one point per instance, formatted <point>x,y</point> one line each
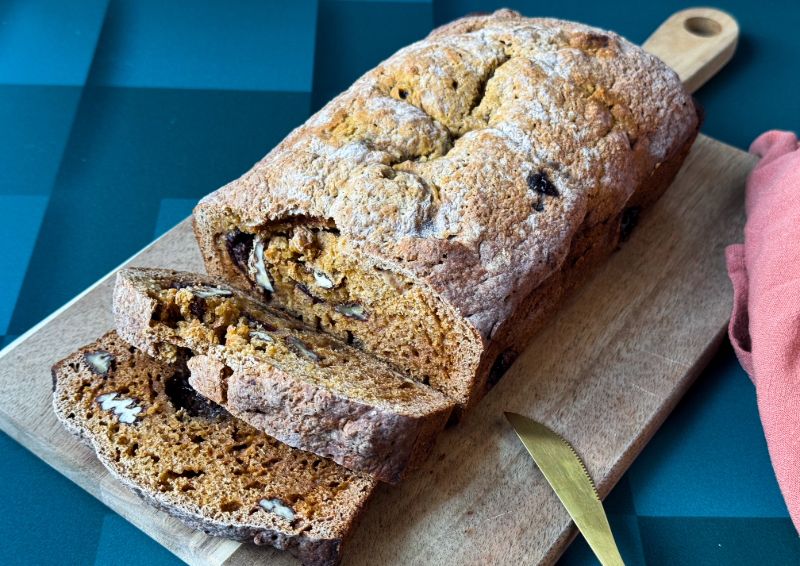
<point>303,387</point>
<point>190,458</point>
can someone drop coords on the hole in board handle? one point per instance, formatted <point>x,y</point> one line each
<point>702,26</point>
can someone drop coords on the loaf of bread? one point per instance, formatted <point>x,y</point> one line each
<point>439,209</point>
<point>190,458</point>
<point>303,387</point>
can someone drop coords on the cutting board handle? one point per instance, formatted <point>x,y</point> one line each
<point>696,43</point>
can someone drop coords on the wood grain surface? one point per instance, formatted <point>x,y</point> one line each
<point>696,43</point>
<point>605,374</point>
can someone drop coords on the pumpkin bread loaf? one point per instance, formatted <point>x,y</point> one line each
<point>395,253</point>
<point>437,211</point>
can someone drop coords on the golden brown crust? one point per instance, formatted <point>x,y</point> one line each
<point>588,250</point>
<point>429,164</point>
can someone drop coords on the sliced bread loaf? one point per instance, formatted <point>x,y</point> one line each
<point>457,192</point>
<point>190,458</point>
<point>301,386</point>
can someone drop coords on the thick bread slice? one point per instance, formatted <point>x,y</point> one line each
<point>303,387</point>
<point>190,458</point>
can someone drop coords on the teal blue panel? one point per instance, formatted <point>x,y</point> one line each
<point>35,121</point>
<point>710,458</point>
<point>165,120</point>
<point>171,212</point>
<point>22,216</point>
<point>48,42</point>
<point>44,517</point>
<point>689,541</point>
<point>204,45</point>
<point>353,37</point>
<point>122,544</point>
<point>129,149</point>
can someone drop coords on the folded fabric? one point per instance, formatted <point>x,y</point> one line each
<point>765,324</point>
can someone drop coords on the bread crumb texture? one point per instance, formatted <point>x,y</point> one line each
<point>207,316</point>
<point>301,386</point>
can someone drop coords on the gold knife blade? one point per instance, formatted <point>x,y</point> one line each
<point>567,475</point>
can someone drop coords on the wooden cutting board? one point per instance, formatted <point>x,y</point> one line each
<point>605,374</point>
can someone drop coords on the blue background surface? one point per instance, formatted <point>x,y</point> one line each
<point>118,115</point>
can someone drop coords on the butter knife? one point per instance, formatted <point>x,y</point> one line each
<point>567,475</point>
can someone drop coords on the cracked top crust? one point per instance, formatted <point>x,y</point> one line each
<point>468,159</point>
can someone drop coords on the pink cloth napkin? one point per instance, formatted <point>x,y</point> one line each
<point>765,324</point>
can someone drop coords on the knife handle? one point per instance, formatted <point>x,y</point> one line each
<point>696,43</point>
